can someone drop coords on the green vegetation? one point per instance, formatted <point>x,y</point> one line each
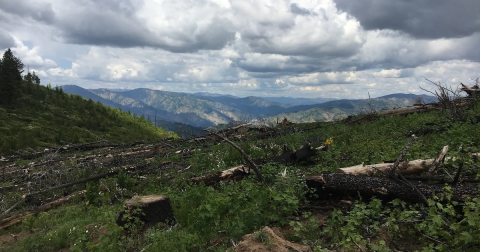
<point>210,218</point>
<point>32,116</point>
<point>214,218</point>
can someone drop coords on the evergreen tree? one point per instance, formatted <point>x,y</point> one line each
<point>11,69</point>
<point>28,78</point>
<point>35,78</point>
<point>32,78</point>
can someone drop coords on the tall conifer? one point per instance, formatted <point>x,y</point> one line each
<point>11,69</point>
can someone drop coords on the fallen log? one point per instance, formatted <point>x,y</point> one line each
<point>407,110</point>
<point>407,167</point>
<point>43,208</point>
<point>232,129</point>
<point>235,173</point>
<point>96,177</point>
<point>336,186</point>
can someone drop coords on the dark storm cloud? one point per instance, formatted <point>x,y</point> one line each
<point>419,18</point>
<point>114,23</point>
<point>104,28</point>
<point>38,11</point>
<point>6,40</point>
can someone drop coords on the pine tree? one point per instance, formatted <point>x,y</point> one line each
<point>28,78</point>
<point>35,78</point>
<point>11,69</point>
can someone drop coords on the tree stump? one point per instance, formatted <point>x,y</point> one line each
<point>149,210</point>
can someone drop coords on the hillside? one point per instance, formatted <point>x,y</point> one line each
<point>116,99</point>
<point>215,218</point>
<point>290,101</point>
<point>44,117</point>
<point>207,110</point>
<point>338,109</point>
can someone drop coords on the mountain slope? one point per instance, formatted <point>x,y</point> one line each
<point>196,109</point>
<point>116,99</point>
<point>206,109</point>
<point>290,101</point>
<point>50,117</point>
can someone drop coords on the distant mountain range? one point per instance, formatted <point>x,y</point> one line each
<point>207,110</point>
<point>339,109</point>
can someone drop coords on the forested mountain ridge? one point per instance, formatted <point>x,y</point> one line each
<point>206,110</point>
<point>338,109</point>
<point>34,116</point>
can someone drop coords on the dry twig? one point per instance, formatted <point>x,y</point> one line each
<point>247,158</point>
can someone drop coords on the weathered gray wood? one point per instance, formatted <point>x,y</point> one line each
<point>407,167</point>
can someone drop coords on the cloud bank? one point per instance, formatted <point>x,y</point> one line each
<point>314,48</point>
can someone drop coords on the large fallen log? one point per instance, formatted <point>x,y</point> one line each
<point>336,186</point>
<point>43,208</point>
<point>405,168</point>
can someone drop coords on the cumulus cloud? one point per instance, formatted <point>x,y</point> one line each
<point>333,48</point>
<point>271,27</point>
<point>430,19</point>
<point>167,25</point>
<point>31,57</point>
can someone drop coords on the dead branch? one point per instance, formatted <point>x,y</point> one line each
<point>448,99</point>
<point>457,175</point>
<point>96,177</point>
<point>247,158</point>
<point>471,91</point>
<point>43,208</point>
<point>391,171</point>
<point>438,160</point>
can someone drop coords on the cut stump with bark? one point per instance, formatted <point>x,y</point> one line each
<point>152,209</point>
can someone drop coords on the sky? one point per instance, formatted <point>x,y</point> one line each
<point>308,48</point>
